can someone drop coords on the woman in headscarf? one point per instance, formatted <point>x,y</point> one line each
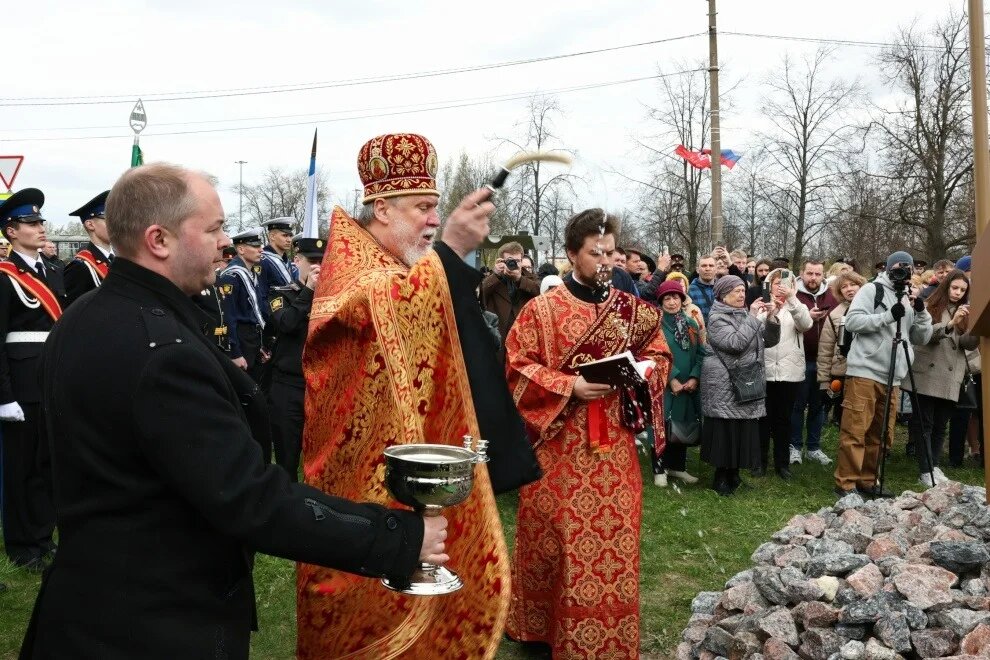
<point>730,437</point>
<point>681,401</point>
<point>692,310</point>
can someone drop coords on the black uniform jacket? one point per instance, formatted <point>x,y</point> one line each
<point>19,362</point>
<point>78,278</point>
<point>513,462</point>
<point>161,492</point>
<point>289,306</point>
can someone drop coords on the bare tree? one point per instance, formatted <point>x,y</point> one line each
<point>808,143</point>
<point>465,174</point>
<point>280,193</point>
<point>675,201</point>
<point>926,136</point>
<point>535,189</point>
<point>747,211</point>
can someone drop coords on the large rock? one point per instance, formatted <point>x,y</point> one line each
<point>851,630</point>
<point>959,556</point>
<point>776,649</point>
<point>746,645</point>
<point>877,651</point>
<point>961,621</point>
<point>683,652</point>
<point>793,556</point>
<point>934,642</point>
<point>925,586</point>
<point>829,586</point>
<point>977,641</point>
<point>974,587</point>
<point>884,546</point>
<point>705,602</point>
<point>962,514</point>
<point>819,643</point>
<point>853,650</point>
<point>815,614</point>
<point>718,641</point>
<point>893,631</point>
<point>863,611</point>
<point>768,581</point>
<point>819,547</point>
<point>835,564</point>
<point>779,623</point>
<point>801,591</point>
<point>740,578</point>
<point>850,501</point>
<point>867,581</point>
<point>737,597</point>
<point>765,553</point>
<point>739,623</point>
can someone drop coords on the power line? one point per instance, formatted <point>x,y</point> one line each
<point>50,101</point>
<point>822,40</point>
<point>384,113</point>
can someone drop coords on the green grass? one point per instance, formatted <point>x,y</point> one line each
<point>692,540</point>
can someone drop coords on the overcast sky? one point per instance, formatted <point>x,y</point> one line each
<point>115,51</point>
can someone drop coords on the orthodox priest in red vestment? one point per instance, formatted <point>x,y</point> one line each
<point>575,570</point>
<point>383,365</point>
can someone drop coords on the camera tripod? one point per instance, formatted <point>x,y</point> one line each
<point>898,341</point>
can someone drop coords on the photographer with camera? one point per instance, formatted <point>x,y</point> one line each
<point>875,366</point>
<point>509,287</point>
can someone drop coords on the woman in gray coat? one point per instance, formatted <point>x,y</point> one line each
<point>939,369</point>
<point>731,431</point>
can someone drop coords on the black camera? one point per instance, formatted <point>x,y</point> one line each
<point>900,275</point>
<point>512,264</point>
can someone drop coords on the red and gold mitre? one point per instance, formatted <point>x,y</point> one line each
<point>397,164</point>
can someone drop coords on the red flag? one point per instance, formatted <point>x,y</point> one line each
<point>697,160</point>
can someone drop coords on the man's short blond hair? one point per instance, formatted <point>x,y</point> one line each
<point>155,194</point>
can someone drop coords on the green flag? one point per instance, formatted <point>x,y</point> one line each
<point>137,156</point>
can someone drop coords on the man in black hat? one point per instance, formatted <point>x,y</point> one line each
<point>91,264</point>
<point>30,303</point>
<point>240,286</point>
<point>289,307</point>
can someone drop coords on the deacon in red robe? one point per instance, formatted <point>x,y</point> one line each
<point>575,570</point>
<point>398,352</point>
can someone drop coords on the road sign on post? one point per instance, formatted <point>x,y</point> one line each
<point>9,167</point>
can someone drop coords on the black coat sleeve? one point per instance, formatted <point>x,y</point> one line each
<point>196,438</point>
<point>513,462</point>
<point>77,280</point>
<point>293,317</point>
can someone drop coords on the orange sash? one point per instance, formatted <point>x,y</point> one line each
<point>35,287</point>
<point>101,267</point>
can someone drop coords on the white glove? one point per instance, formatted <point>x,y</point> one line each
<point>11,412</point>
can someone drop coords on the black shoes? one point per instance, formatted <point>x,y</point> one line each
<point>721,483</point>
<point>784,473</point>
<point>874,491</point>
<point>842,492</point>
<point>734,479</point>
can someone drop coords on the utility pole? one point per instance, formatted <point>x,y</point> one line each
<point>716,137</point>
<point>240,195</point>
<point>980,325</point>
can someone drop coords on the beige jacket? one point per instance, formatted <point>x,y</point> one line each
<point>940,365</point>
<point>831,363</point>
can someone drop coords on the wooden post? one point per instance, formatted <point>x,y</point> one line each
<point>716,136</point>
<point>980,309</point>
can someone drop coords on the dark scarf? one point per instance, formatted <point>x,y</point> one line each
<point>678,324</point>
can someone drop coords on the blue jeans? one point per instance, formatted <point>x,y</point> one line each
<point>810,397</point>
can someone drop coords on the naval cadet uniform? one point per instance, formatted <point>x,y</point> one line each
<point>276,269</point>
<point>90,266</point>
<point>31,300</point>
<point>289,308</point>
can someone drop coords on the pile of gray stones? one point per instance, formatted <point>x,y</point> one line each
<point>884,579</point>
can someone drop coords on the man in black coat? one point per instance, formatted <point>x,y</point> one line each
<point>162,495</point>
<point>289,308</point>
<point>31,300</point>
